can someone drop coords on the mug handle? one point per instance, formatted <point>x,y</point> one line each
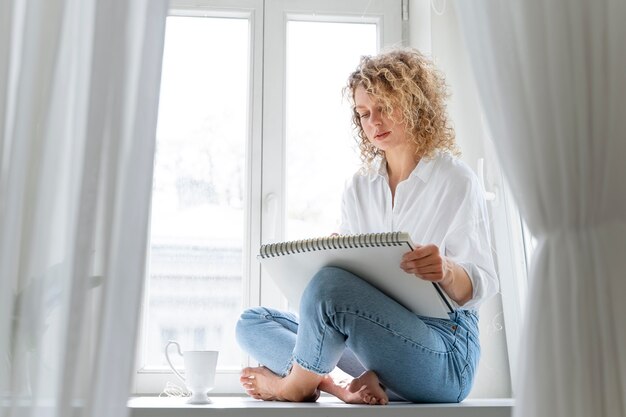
<point>170,362</point>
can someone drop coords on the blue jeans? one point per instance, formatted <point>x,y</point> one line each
<point>346,322</point>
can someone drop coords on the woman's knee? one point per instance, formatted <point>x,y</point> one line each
<point>259,320</point>
<point>329,285</point>
<point>251,316</point>
<point>249,319</point>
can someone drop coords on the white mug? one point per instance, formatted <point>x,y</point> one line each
<point>200,368</point>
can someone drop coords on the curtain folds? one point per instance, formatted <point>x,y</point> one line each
<point>79,82</point>
<point>552,80</point>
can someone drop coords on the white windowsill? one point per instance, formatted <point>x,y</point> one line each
<point>223,406</point>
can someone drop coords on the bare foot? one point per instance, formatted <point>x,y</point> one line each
<point>365,389</point>
<point>260,383</point>
<point>263,384</point>
<point>369,389</point>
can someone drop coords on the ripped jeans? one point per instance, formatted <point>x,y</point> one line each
<point>346,322</point>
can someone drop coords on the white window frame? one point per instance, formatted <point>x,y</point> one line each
<point>264,216</point>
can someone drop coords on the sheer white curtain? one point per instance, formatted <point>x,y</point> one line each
<point>79,83</point>
<point>552,79</point>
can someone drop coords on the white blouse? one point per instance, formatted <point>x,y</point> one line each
<point>440,203</point>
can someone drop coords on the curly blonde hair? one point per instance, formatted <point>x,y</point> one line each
<point>405,79</point>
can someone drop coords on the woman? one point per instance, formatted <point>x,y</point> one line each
<point>411,182</point>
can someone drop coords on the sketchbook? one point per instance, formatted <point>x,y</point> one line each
<point>374,257</point>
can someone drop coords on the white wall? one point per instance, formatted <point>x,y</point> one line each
<point>448,52</point>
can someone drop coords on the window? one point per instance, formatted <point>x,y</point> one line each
<point>245,116</point>
<point>254,144</point>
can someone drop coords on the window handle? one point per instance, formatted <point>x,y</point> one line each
<point>271,214</point>
<point>489,195</point>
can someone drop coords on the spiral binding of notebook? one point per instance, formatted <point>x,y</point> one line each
<point>365,240</point>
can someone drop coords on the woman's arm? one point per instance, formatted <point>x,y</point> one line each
<point>427,263</point>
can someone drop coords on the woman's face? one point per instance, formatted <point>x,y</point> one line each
<point>380,130</point>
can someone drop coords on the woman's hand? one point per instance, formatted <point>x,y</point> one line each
<point>426,262</point>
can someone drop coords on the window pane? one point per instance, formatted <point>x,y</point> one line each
<point>197,225</point>
<point>321,151</point>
